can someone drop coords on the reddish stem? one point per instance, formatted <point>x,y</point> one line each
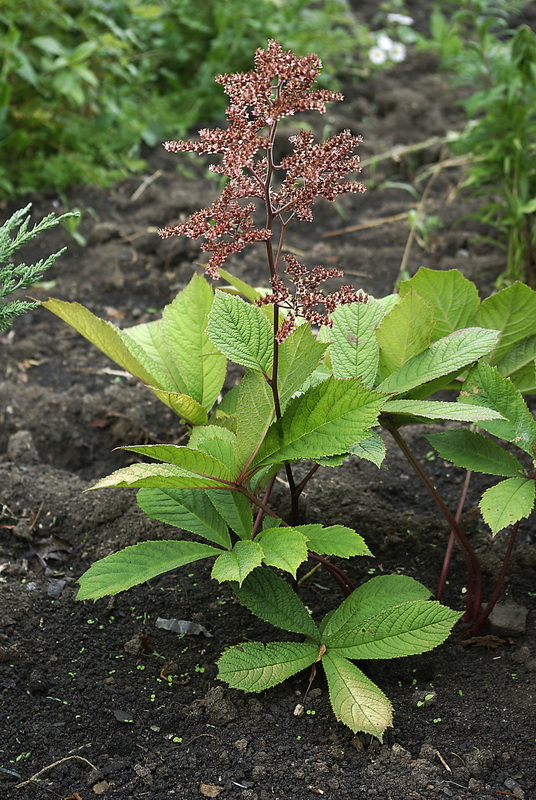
<point>452,538</point>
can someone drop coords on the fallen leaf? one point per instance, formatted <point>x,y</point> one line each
<point>54,549</point>
<point>182,626</point>
<point>210,790</point>
<point>102,786</point>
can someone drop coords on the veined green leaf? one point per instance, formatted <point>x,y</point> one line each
<point>159,476</point>
<point>405,332</point>
<point>284,548</point>
<point>111,341</point>
<point>235,509</point>
<point>335,540</point>
<point>436,409</point>
<point>149,337</point>
<point>519,364</point>
<point>254,667</point>
<point>272,599</point>
<point>184,406</point>
<point>474,451</point>
<point>507,502</point>
<point>453,298</point>
<point>406,629</point>
<point>188,458</point>
<point>371,598</point>
<point>443,357</point>
<point>512,312</point>
<point>486,386</point>
<point>323,421</point>
<point>136,564</point>
<point>188,509</point>
<point>354,348</point>
<point>184,324</point>
<point>356,700</point>
<point>241,331</point>
<point>372,449</point>
<point>215,441</point>
<point>236,564</point>
<point>299,355</point>
<point>254,415</point>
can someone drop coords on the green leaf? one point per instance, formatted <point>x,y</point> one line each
<point>354,348</point>
<point>486,386</point>
<point>372,597</point>
<point>453,298</point>
<point>188,509</point>
<point>187,458</point>
<point>137,564</point>
<point>372,449</point>
<point>356,700</point>
<point>237,563</point>
<point>335,540</point>
<point>241,331</point>
<point>272,599</point>
<point>111,341</point>
<point>184,323</point>
<point>512,312</point>
<point>476,452</point>
<point>161,476</point>
<point>299,355</point>
<point>323,421</point>
<point>436,409</point>
<point>235,509</point>
<point>405,332</point>
<point>254,415</point>
<point>254,667</point>
<point>185,407</point>
<point>448,355</point>
<point>507,502</point>
<point>215,441</point>
<point>519,364</point>
<point>284,548</point>
<point>406,629</point>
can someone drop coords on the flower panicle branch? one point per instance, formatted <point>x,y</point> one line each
<point>307,296</point>
<point>280,85</point>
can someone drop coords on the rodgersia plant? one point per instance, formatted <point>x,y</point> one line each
<point>308,394</point>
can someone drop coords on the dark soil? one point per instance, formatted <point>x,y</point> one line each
<point>89,681</point>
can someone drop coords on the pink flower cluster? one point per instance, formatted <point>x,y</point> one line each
<point>307,295</point>
<point>279,86</point>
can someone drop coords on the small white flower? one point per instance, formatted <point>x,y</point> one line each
<point>402,19</point>
<point>397,52</point>
<point>377,55</point>
<point>384,42</point>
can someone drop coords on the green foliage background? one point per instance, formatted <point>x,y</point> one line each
<point>84,83</point>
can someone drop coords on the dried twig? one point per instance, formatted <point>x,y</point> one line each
<point>50,766</point>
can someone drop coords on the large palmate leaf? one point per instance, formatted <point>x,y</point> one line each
<point>486,386</point>
<point>474,451</point>
<point>215,441</point>
<point>377,594</point>
<point>241,331</point>
<point>188,509</point>
<point>447,356</point>
<point>236,564</point>
<point>453,299</point>
<point>188,458</point>
<point>235,509</point>
<point>183,405</point>
<point>254,667</point>
<point>512,312</point>
<point>137,564</point>
<point>405,332</point>
<point>272,599</point>
<point>323,421</point>
<point>406,629</point>
<point>212,474</point>
<point>372,449</point>
<point>417,410</point>
<point>355,699</point>
<point>354,348</point>
<point>283,548</point>
<point>112,342</point>
<point>507,502</point>
<point>299,355</point>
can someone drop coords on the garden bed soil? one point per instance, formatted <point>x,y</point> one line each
<point>87,684</point>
